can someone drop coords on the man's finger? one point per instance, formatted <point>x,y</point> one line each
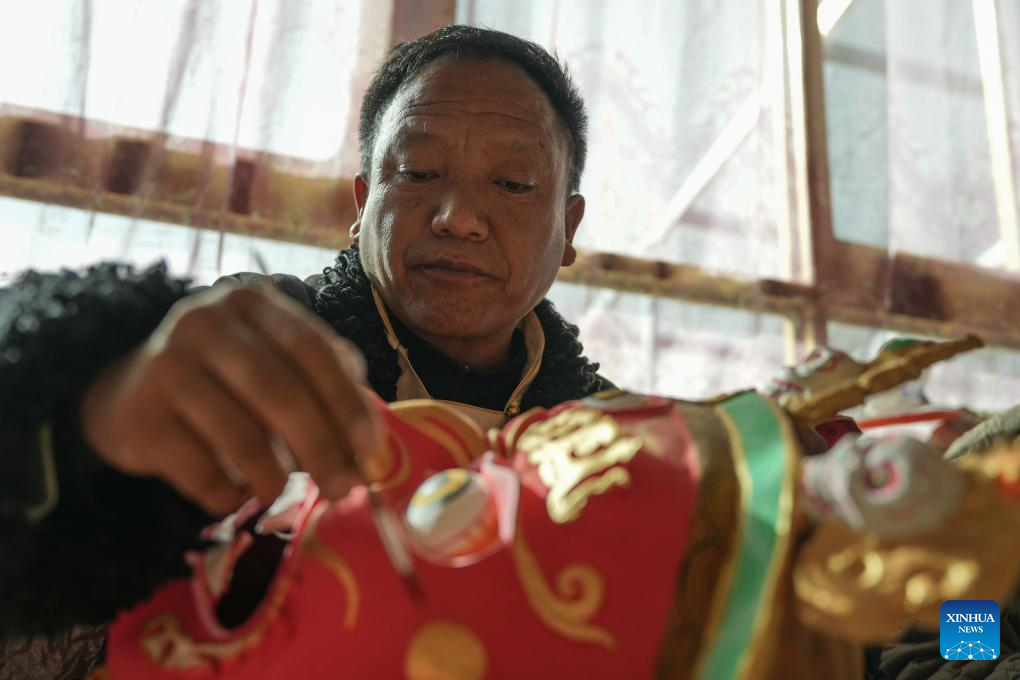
<point>231,431</point>
<point>188,465</point>
<point>332,364</point>
<point>267,384</point>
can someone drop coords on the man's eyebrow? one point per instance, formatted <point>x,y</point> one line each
<point>409,136</point>
<point>519,146</point>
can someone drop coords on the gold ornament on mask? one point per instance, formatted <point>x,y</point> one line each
<point>443,650</point>
<point>567,608</point>
<point>577,454</point>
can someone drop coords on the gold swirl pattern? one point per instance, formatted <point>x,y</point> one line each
<point>317,551</point>
<point>380,473</point>
<point>579,594</point>
<point>459,436</point>
<point>166,643</point>
<point>507,438</point>
<point>577,454</point>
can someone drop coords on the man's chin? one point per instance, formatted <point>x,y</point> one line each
<point>453,321</point>
<point>450,328</point>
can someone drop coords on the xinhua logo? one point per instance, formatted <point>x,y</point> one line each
<point>969,629</point>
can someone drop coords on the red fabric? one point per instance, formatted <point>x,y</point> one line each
<point>835,429</point>
<point>632,535</point>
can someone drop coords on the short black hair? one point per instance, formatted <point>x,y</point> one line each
<point>410,58</point>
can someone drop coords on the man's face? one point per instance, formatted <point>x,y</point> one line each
<point>467,218</point>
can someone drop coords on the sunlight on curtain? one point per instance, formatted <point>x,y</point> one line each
<point>274,82</point>
<point>672,348</point>
<point>913,167</point>
<point>684,101</point>
<point>273,76</point>
<point>922,160</point>
<point>687,122</point>
<point>53,237</point>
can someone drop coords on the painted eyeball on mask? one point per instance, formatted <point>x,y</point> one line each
<point>890,487</point>
<point>452,518</point>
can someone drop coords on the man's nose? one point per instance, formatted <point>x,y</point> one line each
<point>461,215</point>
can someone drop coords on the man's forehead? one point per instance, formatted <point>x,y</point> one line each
<point>491,79</point>
<point>417,130</point>
<point>496,93</point>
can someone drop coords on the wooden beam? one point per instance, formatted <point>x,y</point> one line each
<point>816,139</point>
<point>856,284</point>
<point>684,282</point>
<point>331,236</point>
<point>865,285</point>
<point>932,297</point>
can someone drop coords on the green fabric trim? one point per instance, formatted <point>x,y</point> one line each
<point>761,440</point>
<point>899,343</point>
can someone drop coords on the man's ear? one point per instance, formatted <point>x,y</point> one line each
<point>360,197</point>
<point>574,213</point>
<point>360,192</point>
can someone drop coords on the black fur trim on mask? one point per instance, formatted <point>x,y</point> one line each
<point>58,330</point>
<point>111,539</point>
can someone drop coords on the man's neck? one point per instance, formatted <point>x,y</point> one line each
<point>477,354</point>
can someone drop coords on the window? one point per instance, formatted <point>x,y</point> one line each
<point>762,177</point>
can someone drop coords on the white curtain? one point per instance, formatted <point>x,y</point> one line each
<point>278,79</point>
<point>681,91</point>
<point>692,120</point>
<point>917,148</point>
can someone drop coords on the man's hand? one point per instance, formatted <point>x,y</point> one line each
<point>229,376</point>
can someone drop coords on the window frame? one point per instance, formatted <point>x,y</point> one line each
<point>851,283</point>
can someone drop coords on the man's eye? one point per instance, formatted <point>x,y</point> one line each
<point>515,187</point>
<point>417,176</point>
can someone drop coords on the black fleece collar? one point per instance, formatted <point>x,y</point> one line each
<point>345,301</point>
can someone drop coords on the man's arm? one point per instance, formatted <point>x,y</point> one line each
<point>158,410</point>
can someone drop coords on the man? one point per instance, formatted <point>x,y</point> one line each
<point>133,412</point>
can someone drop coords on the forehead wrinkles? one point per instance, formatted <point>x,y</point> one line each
<point>492,130</point>
<point>517,104</point>
<point>480,105</point>
<point>406,118</point>
<point>483,110</point>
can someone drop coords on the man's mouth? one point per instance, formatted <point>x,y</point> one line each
<point>454,270</point>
